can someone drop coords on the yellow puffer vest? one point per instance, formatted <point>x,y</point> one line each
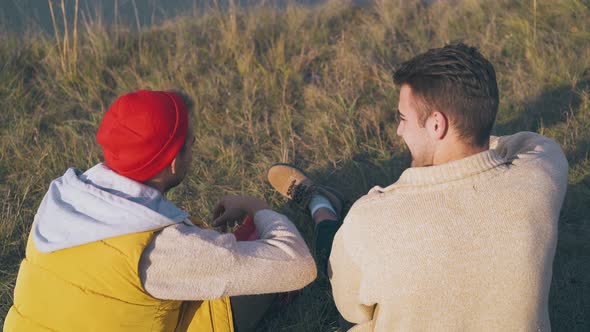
<point>96,287</point>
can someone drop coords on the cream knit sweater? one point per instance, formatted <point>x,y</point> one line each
<point>186,262</point>
<point>463,246</point>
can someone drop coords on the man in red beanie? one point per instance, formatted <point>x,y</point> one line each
<point>108,252</point>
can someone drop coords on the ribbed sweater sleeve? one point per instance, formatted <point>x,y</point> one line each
<point>185,262</point>
<point>345,276</point>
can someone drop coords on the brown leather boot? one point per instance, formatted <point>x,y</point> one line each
<point>295,185</point>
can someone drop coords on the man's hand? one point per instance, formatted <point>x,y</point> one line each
<point>232,209</point>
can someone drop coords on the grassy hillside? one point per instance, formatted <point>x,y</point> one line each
<point>311,86</point>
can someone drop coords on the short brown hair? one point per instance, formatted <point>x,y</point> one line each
<point>457,81</point>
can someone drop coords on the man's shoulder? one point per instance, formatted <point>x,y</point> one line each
<point>533,154</point>
<point>524,146</point>
<point>387,194</point>
<point>375,194</point>
<point>377,203</point>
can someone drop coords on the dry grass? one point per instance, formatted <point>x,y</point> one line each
<point>306,85</point>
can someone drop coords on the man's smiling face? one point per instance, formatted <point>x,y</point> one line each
<point>412,130</point>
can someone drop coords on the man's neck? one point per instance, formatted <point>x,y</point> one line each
<point>156,184</point>
<point>456,150</point>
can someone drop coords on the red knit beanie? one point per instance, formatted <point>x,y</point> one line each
<point>142,132</point>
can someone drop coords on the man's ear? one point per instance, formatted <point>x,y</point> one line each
<point>173,166</point>
<point>439,125</point>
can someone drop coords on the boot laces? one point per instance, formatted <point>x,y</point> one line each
<point>299,193</point>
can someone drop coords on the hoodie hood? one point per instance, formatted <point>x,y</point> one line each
<point>96,205</point>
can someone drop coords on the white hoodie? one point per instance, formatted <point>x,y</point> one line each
<point>96,205</point>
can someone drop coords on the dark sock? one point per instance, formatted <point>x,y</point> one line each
<point>324,237</point>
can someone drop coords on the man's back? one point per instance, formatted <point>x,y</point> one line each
<point>466,245</point>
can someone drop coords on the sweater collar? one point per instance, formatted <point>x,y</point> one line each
<point>451,171</point>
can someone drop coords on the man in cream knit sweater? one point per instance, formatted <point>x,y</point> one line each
<point>465,239</point>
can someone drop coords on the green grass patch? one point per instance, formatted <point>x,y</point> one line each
<point>306,85</point>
